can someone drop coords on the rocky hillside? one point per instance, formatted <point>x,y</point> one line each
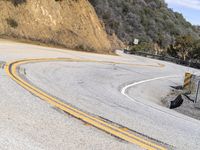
<point>68,23</point>
<point>147,20</point>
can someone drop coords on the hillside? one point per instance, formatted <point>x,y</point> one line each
<point>75,24</point>
<point>198,29</point>
<point>71,24</point>
<point>148,20</point>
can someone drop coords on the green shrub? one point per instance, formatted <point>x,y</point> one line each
<point>143,47</point>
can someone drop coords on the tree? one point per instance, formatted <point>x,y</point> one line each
<point>196,50</point>
<point>184,46</point>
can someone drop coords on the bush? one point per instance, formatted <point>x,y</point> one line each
<point>185,48</point>
<point>18,2</point>
<point>143,47</point>
<point>12,23</point>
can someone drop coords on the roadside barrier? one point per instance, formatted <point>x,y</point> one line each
<point>193,64</point>
<point>197,98</point>
<point>192,88</point>
<point>187,81</point>
<point>191,91</point>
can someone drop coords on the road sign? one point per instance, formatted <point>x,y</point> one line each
<point>136,41</point>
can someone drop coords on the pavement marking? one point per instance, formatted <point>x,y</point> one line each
<point>125,89</point>
<point>12,70</point>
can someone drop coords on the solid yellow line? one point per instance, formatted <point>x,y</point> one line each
<point>75,112</point>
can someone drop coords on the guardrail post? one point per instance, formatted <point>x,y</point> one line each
<point>197,94</point>
<point>187,81</point>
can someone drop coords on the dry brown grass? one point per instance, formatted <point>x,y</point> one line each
<point>70,24</point>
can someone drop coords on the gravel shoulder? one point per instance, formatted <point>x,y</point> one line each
<point>187,108</point>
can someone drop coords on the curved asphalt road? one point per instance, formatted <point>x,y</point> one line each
<point>96,88</point>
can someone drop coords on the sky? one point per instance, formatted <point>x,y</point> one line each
<point>189,8</point>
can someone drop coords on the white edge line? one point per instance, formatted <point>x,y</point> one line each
<point>125,89</point>
<point>124,92</point>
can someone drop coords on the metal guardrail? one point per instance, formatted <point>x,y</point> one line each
<point>165,58</point>
<point>197,98</point>
<point>191,88</point>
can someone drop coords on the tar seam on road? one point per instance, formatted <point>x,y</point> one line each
<point>11,70</point>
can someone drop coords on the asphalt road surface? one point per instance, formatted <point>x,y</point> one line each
<point>124,90</point>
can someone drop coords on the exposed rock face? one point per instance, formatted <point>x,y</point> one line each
<point>70,23</point>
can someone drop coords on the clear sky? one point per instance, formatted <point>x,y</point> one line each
<point>189,8</point>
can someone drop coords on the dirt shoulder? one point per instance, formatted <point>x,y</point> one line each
<point>187,108</point>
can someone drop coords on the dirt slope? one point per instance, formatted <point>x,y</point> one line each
<point>69,23</point>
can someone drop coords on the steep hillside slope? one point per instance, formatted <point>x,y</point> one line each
<point>198,29</point>
<point>148,20</point>
<point>69,23</point>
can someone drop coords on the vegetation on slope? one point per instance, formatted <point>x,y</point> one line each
<point>150,21</point>
<point>186,48</point>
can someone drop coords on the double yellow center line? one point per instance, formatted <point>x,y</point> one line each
<point>12,70</point>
